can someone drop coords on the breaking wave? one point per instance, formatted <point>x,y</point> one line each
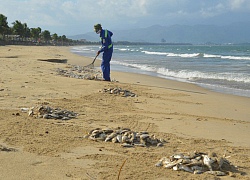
<point>192,55</point>
<point>189,75</point>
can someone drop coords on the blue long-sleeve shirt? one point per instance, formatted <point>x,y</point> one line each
<point>106,40</point>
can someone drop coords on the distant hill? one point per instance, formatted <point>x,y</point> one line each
<point>197,34</point>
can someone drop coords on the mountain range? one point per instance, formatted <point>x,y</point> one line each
<point>195,34</point>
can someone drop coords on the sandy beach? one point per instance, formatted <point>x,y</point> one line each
<point>189,118</point>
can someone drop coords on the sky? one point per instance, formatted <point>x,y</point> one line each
<point>73,17</point>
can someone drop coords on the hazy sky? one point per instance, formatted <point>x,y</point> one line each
<point>71,17</point>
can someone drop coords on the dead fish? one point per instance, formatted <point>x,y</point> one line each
<point>160,162</point>
<point>195,168</point>
<point>114,140</point>
<point>140,145</point>
<point>93,130</point>
<point>172,164</point>
<point>159,144</point>
<point>125,139</point>
<point>119,138</point>
<point>110,137</point>
<point>178,156</point>
<point>216,173</point>
<point>208,161</point>
<point>31,112</point>
<point>127,145</point>
<point>25,109</point>
<point>186,161</point>
<point>144,136</point>
<point>107,131</point>
<point>198,172</point>
<point>185,168</point>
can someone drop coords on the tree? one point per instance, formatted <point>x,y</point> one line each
<point>18,28</point>
<point>3,25</point>
<point>35,33</point>
<point>64,38</point>
<point>26,31</point>
<point>23,31</point>
<point>55,37</point>
<point>46,36</point>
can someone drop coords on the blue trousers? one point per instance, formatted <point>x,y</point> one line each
<point>105,65</point>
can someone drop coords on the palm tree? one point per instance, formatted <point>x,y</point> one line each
<point>18,28</point>
<point>55,38</point>
<point>46,36</point>
<point>35,33</point>
<point>26,31</point>
<point>4,28</point>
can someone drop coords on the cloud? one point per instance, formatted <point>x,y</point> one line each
<point>212,11</point>
<point>72,16</point>
<point>129,8</point>
<point>239,5</point>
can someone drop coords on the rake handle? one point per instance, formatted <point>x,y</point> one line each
<point>94,59</point>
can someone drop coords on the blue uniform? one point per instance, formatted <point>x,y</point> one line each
<point>107,49</point>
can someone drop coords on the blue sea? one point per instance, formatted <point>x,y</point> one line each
<point>221,68</point>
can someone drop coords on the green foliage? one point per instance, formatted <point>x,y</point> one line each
<point>55,37</point>
<point>30,34</point>
<point>46,35</point>
<point>3,24</point>
<point>17,28</point>
<point>35,33</point>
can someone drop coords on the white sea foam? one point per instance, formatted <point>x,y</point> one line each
<point>184,55</point>
<point>211,56</point>
<point>155,53</point>
<point>189,75</point>
<point>192,55</point>
<point>84,48</point>
<point>171,54</point>
<point>123,49</point>
<point>226,57</point>
<point>235,57</point>
<point>134,65</point>
<point>193,75</point>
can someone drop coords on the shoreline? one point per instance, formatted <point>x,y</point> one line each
<point>212,87</point>
<point>190,118</point>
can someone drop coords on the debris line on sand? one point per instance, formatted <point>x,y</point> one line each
<point>46,112</point>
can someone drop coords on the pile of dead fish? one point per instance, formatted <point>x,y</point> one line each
<point>196,163</point>
<point>125,136</point>
<point>119,91</point>
<point>47,112</point>
<point>80,72</point>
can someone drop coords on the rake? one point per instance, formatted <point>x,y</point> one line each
<point>91,66</point>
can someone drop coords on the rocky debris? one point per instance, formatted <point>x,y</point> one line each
<point>125,136</point>
<point>47,112</point>
<point>6,149</point>
<point>80,72</point>
<point>197,163</point>
<point>119,91</point>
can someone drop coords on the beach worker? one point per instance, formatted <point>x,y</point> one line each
<point>106,49</point>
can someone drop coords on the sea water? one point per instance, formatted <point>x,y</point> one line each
<point>222,68</point>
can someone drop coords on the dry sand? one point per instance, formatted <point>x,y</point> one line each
<point>188,117</point>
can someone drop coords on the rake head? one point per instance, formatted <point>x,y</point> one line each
<point>90,66</point>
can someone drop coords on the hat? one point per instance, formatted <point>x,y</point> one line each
<point>97,27</point>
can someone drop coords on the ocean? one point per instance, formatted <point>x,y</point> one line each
<point>220,68</point>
